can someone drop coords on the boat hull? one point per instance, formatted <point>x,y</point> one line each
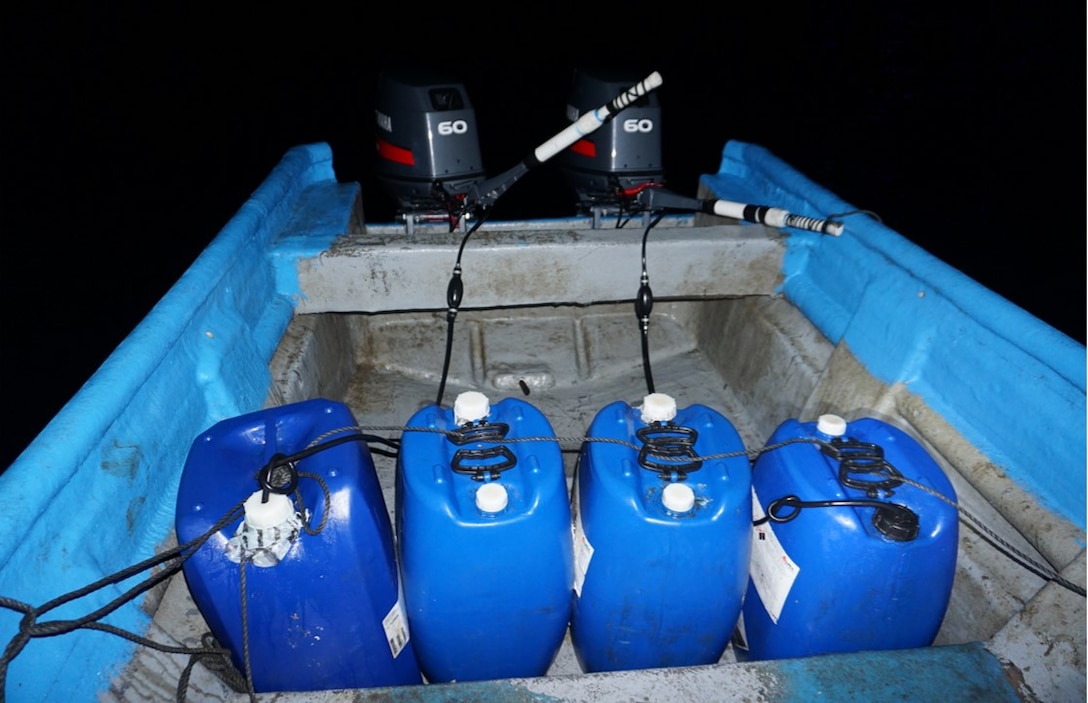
<point>298,297</point>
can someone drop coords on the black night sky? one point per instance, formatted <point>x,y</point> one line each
<point>132,134</point>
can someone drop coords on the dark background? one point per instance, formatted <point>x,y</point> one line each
<point>132,134</point>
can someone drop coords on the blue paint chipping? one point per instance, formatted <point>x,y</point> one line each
<point>954,673</point>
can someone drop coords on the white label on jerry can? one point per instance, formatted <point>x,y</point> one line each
<point>396,628</point>
<point>583,550</point>
<point>773,572</point>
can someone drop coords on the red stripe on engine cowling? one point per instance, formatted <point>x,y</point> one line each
<point>585,148</point>
<point>394,153</point>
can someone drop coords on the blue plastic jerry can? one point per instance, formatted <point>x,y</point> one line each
<point>661,536</point>
<point>483,528</point>
<point>854,544</point>
<point>304,577</point>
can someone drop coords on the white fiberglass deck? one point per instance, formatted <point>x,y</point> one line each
<point>574,360</point>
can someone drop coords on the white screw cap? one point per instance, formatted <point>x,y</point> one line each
<point>831,425</point>
<point>658,407</point>
<point>261,515</point>
<point>491,497</point>
<point>470,406</point>
<point>678,497</point>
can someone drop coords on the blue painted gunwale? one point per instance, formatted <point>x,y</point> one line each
<point>1011,384</point>
<point>94,492</point>
<point>96,487</point>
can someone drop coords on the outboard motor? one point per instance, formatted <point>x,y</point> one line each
<point>428,149</point>
<point>623,154</point>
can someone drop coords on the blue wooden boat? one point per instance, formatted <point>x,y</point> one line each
<point>300,297</point>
